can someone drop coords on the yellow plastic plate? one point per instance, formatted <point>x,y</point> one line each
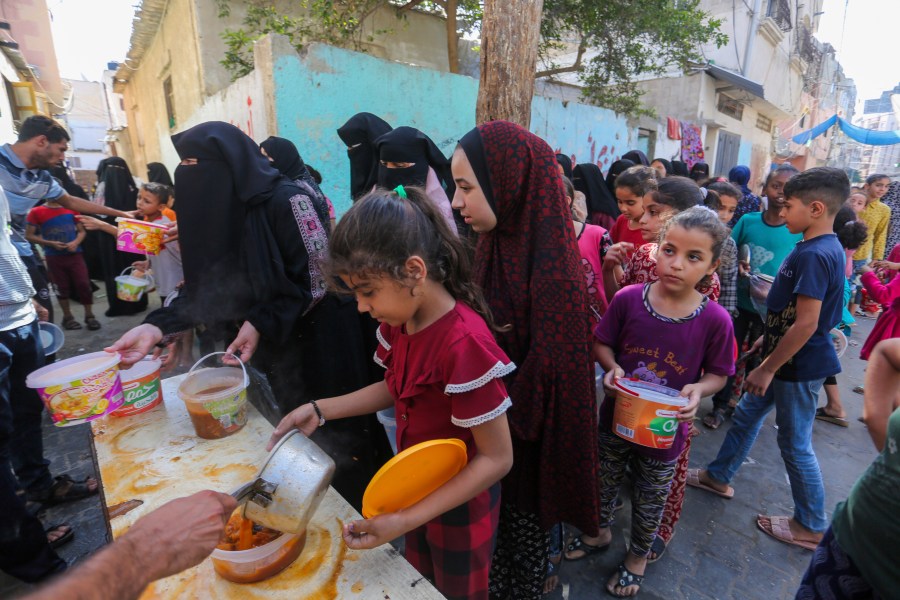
<point>412,475</point>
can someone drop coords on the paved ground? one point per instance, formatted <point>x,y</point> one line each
<point>717,552</point>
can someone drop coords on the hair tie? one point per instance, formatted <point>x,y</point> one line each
<point>401,191</point>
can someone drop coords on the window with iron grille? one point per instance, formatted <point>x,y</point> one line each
<point>764,123</point>
<point>731,107</point>
<point>780,12</point>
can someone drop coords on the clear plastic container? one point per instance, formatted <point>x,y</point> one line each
<point>216,399</point>
<point>256,564</point>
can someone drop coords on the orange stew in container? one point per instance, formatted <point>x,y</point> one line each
<point>243,534</point>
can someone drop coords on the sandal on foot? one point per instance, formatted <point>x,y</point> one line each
<point>581,545</point>
<point>821,415</point>
<point>92,323</point>
<point>624,579</point>
<point>780,529</point>
<point>693,480</point>
<point>66,489</point>
<point>71,324</point>
<point>714,418</point>
<point>67,534</point>
<point>658,547</point>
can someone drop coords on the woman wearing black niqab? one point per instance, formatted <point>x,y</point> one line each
<point>158,173</point>
<point>566,163</point>
<point>359,134</point>
<point>680,168</point>
<point>616,169</point>
<point>251,243</point>
<point>637,157</point>
<point>117,190</point>
<point>284,156</point>
<point>601,204</point>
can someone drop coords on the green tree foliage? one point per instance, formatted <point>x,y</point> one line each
<point>625,40</point>
<point>617,42</point>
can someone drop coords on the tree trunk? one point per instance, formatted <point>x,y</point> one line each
<point>452,36</point>
<point>510,32</point>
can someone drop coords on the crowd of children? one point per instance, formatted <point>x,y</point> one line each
<point>499,343</point>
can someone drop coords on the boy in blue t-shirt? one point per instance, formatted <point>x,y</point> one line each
<point>803,305</point>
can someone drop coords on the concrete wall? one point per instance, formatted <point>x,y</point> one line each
<point>9,73</point>
<point>30,27</point>
<point>316,92</point>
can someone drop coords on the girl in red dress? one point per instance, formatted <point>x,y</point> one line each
<point>443,376</point>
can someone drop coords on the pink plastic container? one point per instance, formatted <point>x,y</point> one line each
<point>140,237</point>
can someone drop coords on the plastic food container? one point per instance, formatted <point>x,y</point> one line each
<point>140,237</point>
<point>52,338</point>
<point>216,398</point>
<point>130,288</point>
<point>645,413</point>
<point>79,389</point>
<point>140,385</point>
<point>256,564</point>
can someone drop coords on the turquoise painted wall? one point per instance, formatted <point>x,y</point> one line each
<point>316,92</point>
<point>745,153</point>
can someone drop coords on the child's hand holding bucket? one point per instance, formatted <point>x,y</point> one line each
<point>693,392</point>
<point>609,379</point>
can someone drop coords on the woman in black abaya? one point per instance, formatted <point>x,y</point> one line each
<point>251,244</point>
<point>118,191</point>
<point>603,210</point>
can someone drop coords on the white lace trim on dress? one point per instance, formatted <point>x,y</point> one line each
<point>490,416</point>
<point>495,372</point>
<point>378,361</point>
<point>381,339</point>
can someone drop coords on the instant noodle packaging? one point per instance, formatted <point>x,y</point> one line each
<point>79,389</point>
<point>140,237</point>
<point>646,413</point>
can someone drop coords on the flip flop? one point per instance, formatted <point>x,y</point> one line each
<point>780,529</point>
<point>693,480</point>
<point>624,579</point>
<point>821,415</point>
<point>658,547</point>
<point>588,549</point>
<point>64,538</point>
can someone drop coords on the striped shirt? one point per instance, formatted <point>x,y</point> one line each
<point>16,290</point>
<point>24,188</point>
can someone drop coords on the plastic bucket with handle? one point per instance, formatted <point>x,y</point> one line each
<point>130,288</point>
<point>79,389</point>
<point>216,398</point>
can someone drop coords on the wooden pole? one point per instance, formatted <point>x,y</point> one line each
<point>510,34</point>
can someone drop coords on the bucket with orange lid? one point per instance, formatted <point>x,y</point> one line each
<point>646,413</point>
<point>140,237</point>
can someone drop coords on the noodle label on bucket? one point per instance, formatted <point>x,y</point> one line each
<point>141,387</point>
<point>646,413</point>
<point>79,389</point>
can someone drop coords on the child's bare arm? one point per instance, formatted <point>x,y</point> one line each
<point>882,383</point>
<point>32,235</point>
<point>797,335</point>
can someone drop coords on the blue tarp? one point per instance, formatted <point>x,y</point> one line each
<point>863,136</point>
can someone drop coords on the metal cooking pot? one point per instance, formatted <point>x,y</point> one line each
<point>289,487</point>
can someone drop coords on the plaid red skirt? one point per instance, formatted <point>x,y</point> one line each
<point>454,550</point>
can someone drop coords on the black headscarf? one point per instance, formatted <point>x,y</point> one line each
<point>73,189</point>
<point>158,173</point>
<point>679,168</point>
<point>566,163</point>
<point>589,180</point>
<point>637,157</point>
<point>359,135</point>
<point>699,171</point>
<point>286,158</point>
<point>407,144</point>
<point>214,198</point>
<point>666,164</point>
<point>101,169</point>
<point>119,191</point>
<point>616,169</point>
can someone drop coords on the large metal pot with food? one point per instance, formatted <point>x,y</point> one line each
<point>289,487</point>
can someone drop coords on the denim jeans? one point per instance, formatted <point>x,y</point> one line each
<point>24,552</point>
<point>795,412</point>
<point>21,439</point>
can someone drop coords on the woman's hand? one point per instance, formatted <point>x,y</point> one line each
<point>693,392</point>
<point>246,343</point>
<point>303,418</point>
<point>171,234</point>
<point>136,344</point>
<point>141,265</point>
<point>617,255</point>
<point>371,533</point>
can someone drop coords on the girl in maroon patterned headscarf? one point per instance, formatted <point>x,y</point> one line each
<point>528,264</point>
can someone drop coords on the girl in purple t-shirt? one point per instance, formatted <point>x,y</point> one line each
<point>667,333</point>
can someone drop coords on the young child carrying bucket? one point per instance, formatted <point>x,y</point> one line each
<point>642,336</point>
<point>396,253</point>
